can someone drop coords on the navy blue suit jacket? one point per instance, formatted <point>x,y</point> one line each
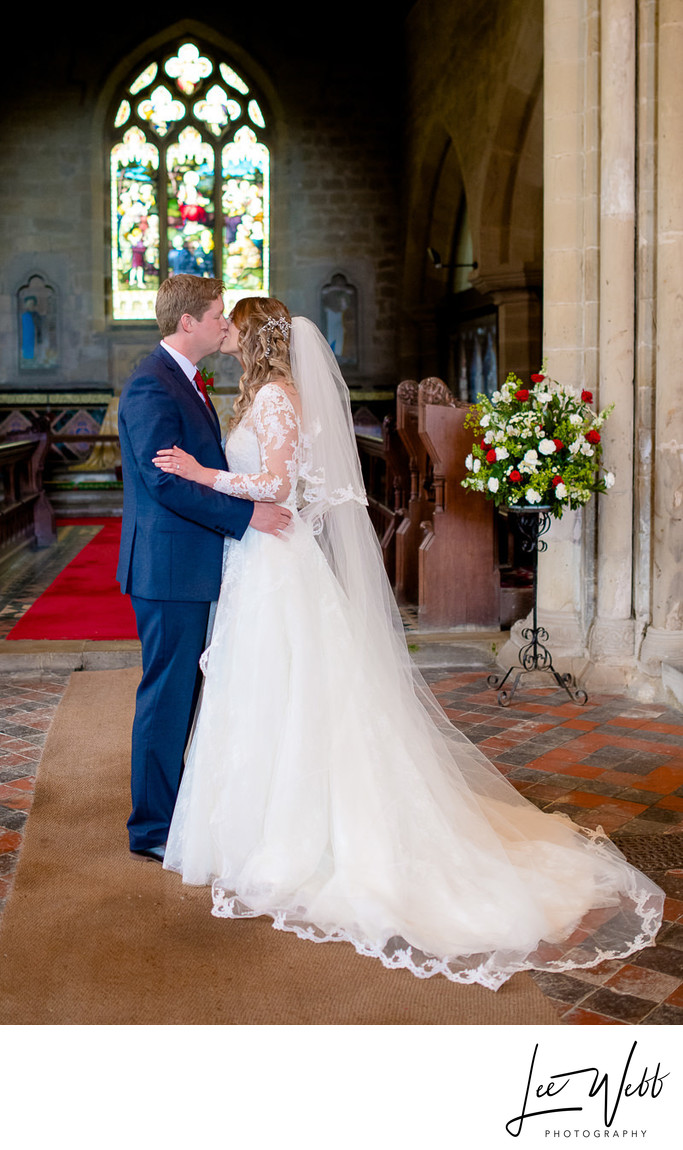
<point>173,529</point>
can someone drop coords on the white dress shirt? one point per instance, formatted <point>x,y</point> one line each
<point>183,362</point>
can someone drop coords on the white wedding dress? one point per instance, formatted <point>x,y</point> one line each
<point>325,788</point>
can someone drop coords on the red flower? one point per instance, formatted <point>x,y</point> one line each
<point>537,378</point>
<point>593,437</point>
<point>484,444</point>
<point>491,456</point>
<point>514,476</point>
<point>587,396</point>
<point>558,444</point>
<point>522,395</point>
<point>557,479</point>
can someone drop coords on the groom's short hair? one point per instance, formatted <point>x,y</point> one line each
<point>184,295</point>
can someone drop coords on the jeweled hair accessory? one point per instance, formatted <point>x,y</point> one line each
<point>270,325</point>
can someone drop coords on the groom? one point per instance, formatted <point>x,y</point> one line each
<point>172,541</point>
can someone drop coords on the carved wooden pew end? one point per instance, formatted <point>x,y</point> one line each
<point>27,518</point>
<point>459,580</point>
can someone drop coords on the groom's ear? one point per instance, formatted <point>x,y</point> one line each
<point>186,322</point>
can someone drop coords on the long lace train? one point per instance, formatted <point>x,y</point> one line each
<point>325,787</point>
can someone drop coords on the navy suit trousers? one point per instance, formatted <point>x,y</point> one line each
<point>173,636</point>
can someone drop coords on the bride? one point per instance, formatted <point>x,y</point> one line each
<point>324,786</point>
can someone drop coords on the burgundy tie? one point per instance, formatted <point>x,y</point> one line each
<point>201,386</point>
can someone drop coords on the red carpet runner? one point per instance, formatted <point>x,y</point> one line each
<point>85,601</point>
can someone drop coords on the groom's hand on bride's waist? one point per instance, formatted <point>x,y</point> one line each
<point>270,518</point>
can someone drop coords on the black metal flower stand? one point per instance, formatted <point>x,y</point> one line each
<point>534,656</point>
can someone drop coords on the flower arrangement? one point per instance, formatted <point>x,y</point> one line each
<point>208,378</point>
<point>538,445</point>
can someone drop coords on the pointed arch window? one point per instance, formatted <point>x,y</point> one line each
<point>189,180</point>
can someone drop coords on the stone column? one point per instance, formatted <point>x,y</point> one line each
<point>646,335</point>
<point>664,639</point>
<point>612,633</point>
<point>519,331</point>
<point>570,289</point>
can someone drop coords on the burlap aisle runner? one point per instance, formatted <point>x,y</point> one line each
<point>92,935</point>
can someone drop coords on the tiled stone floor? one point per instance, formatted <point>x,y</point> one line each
<point>28,701</point>
<point>612,762</point>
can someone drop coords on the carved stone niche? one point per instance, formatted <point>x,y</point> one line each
<point>339,319</point>
<point>37,310</point>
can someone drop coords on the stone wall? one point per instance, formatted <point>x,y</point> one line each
<point>474,130</point>
<point>335,175</point>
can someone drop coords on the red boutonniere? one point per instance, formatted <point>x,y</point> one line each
<point>208,378</point>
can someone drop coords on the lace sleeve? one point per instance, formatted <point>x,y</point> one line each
<point>277,431</point>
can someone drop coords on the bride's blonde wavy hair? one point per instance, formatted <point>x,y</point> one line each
<point>264,326</point>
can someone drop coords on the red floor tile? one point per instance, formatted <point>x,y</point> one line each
<point>589,799</point>
<point>648,984</point>
<point>671,803</point>
<point>676,998</point>
<point>583,771</point>
<point>578,1016</point>
<point>25,784</point>
<point>634,782</point>
<point>673,910</point>
<point>9,841</point>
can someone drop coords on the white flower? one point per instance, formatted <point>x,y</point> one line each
<point>502,453</point>
<point>543,396</point>
<point>609,480</point>
<point>547,447</point>
<point>531,458</point>
<point>495,398</point>
<point>532,496</point>
<point>492,483</point>
<point>488,438</point>
<point>476,465</point>
<point>469,461</point>
<point>560,491</point>
<point>576,445</point>
<point>575,419</point>
<point>586,449</point>
<point>485,420</point>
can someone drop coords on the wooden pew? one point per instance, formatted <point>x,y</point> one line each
<point>459,579</point>
<point>26,516</point>
<point>419,510</point>
<point>385,472</point>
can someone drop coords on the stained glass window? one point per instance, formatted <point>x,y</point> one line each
<point>190,180</point>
